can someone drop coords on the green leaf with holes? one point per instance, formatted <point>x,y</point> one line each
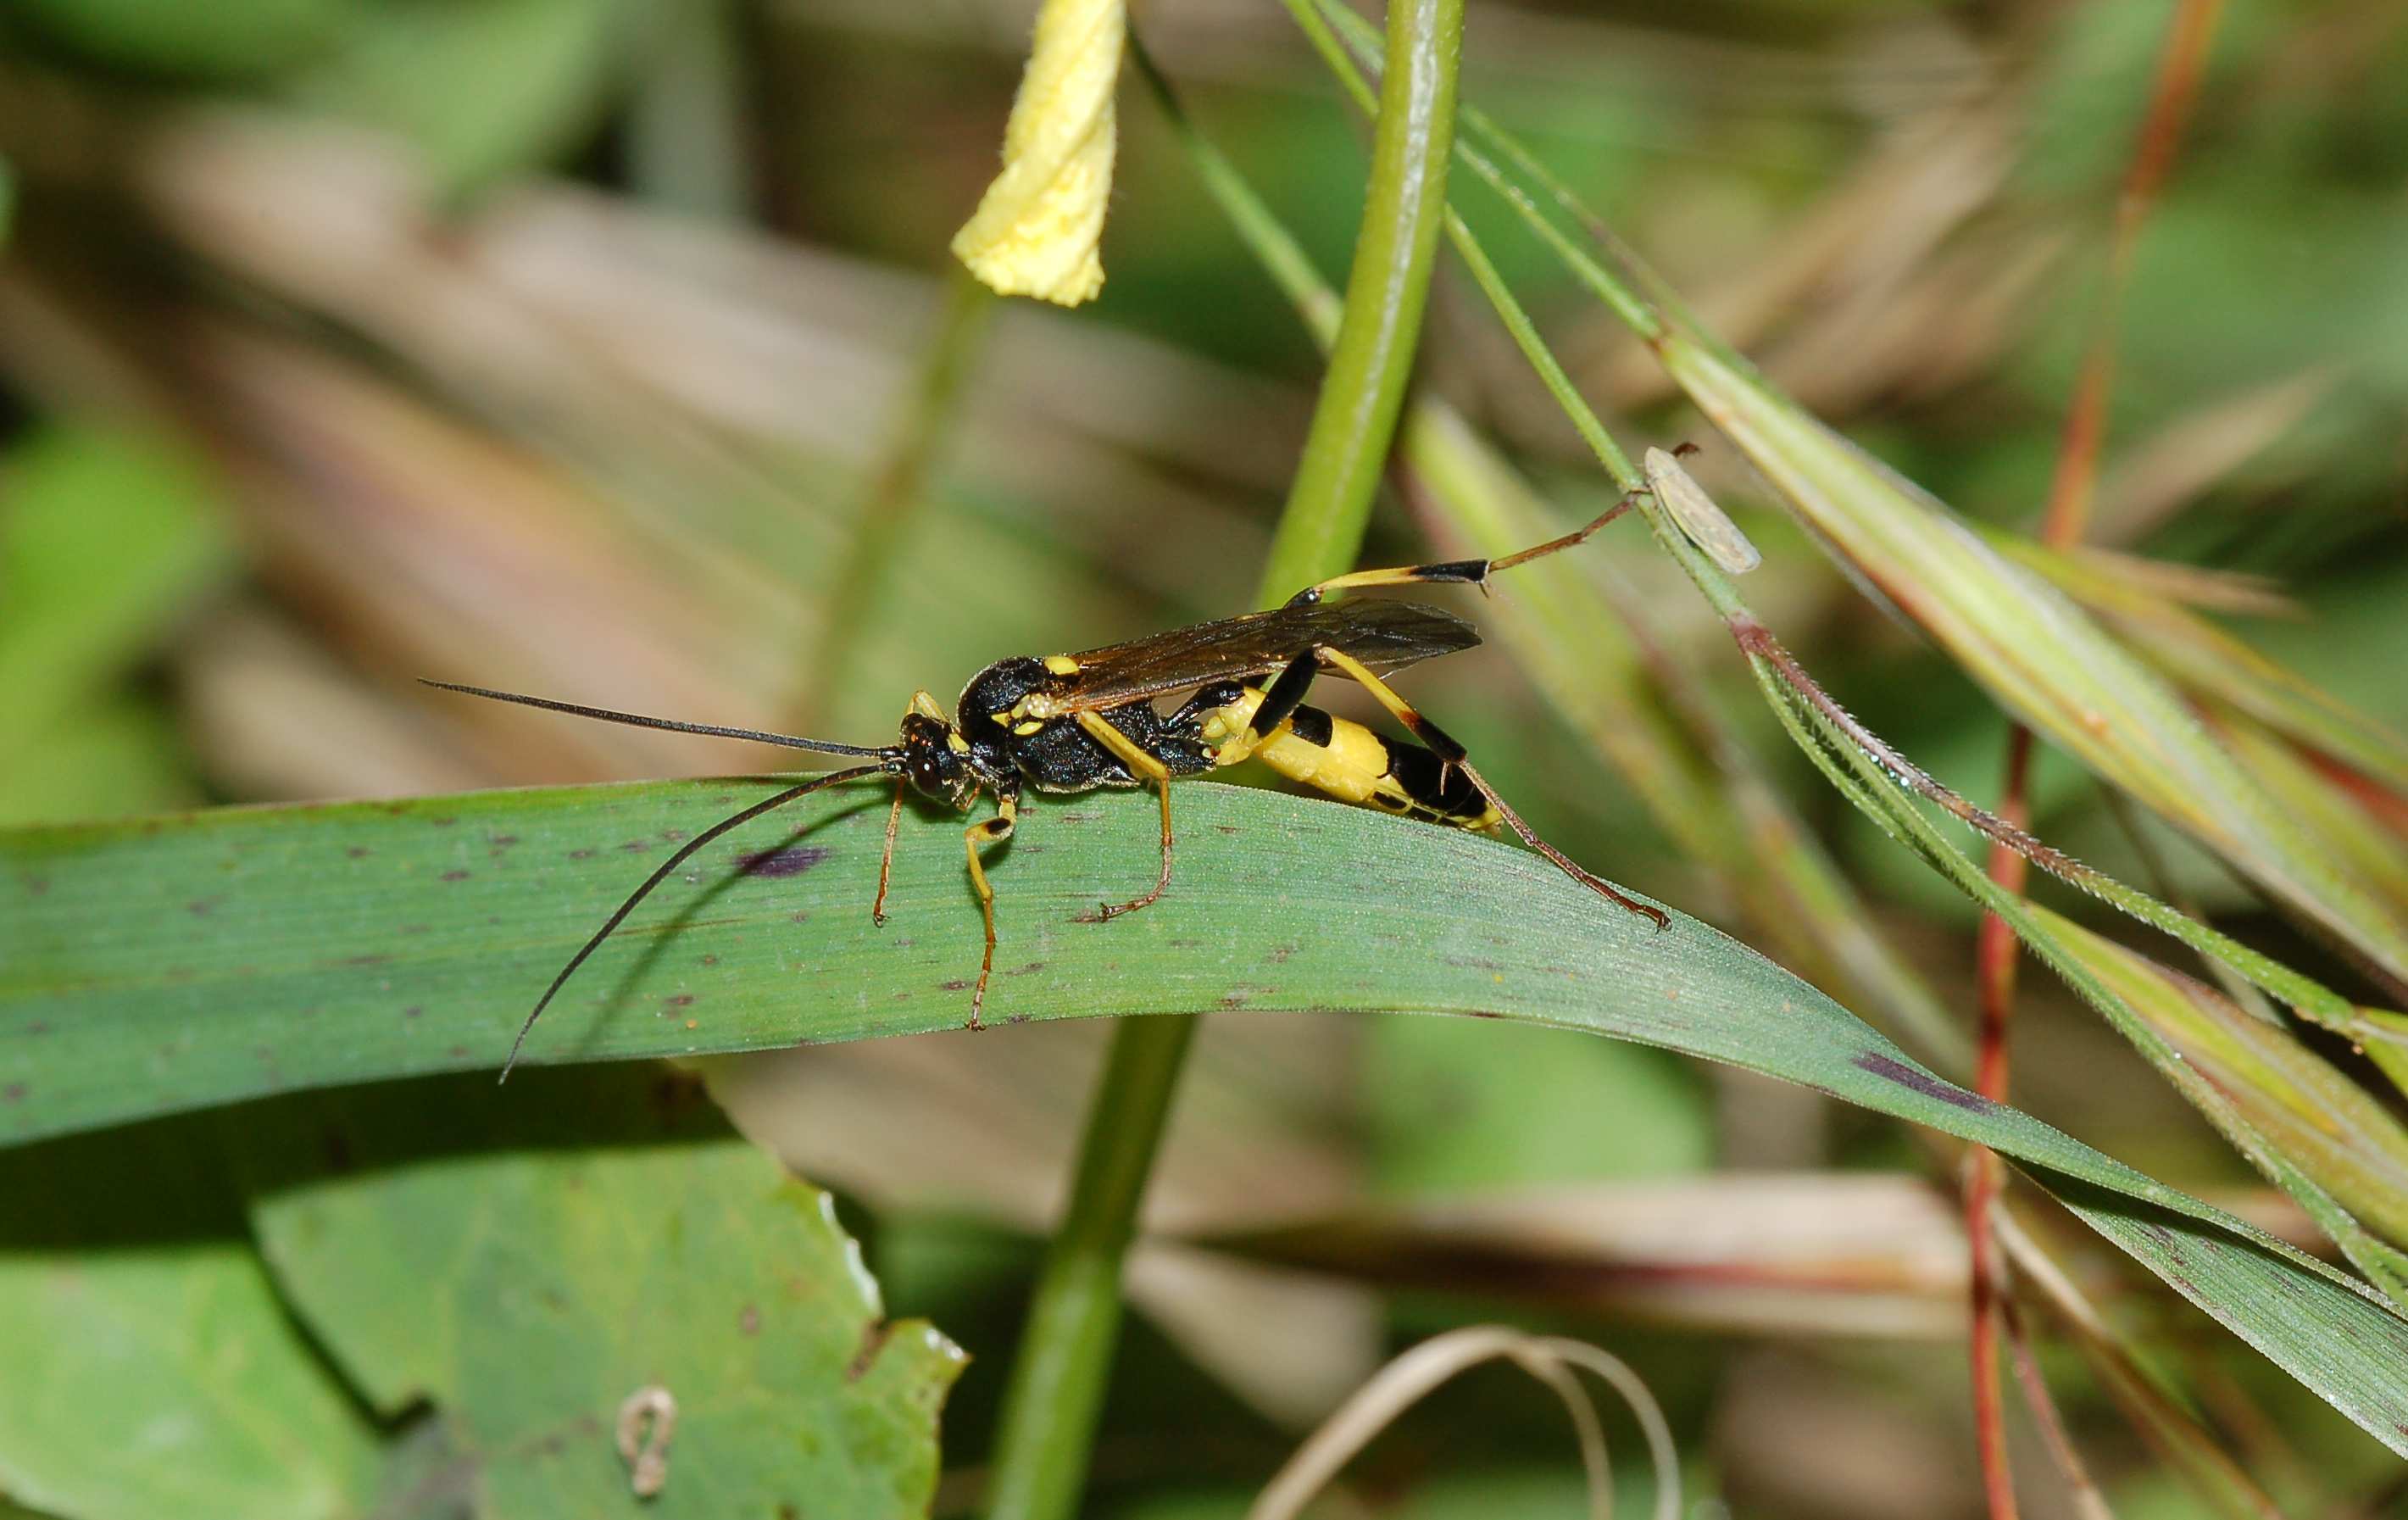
<point>531,1259</point>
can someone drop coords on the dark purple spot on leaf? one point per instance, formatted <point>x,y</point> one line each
<point>747,1322</point>
<point>1928,1085</point>
<point>14,1092</point>
<point>684,999</point>
<point>412,1012</point>
<point>357,852</point>
<point>580,854</point>
<point>456,876</point>
<point>791,861</point>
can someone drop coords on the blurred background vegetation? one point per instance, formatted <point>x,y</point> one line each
<point>572,346</point>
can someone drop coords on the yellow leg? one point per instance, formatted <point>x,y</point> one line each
<point>1141,763</point>
<point>1472,571</point>
<point>1430,734</point>
<point>886,860</point>
<point>1451,753</point>
<point>994,830</point>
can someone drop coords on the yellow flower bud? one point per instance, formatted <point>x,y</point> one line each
<point>1036,230</point>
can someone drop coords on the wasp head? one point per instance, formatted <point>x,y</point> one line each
<point>935,762</point>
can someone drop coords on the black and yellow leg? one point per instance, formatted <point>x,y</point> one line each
<point>994,830</point>
<point>1433,737</point>
<point>1460,571</point>
<point>1145,768</point>
<point>1451,755</point>
<point>1285,696</point>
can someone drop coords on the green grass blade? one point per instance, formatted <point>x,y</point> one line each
<point>2033,650</point>
<point>150,966</point>
<point>2203,659</point>
<point>2027,643</point>
<point>1882,783</point>
<point>2336,1132</point>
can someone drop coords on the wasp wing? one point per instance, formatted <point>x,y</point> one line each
<point>1384,635</point>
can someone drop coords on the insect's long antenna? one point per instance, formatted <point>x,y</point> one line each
<point>677,858</point>
<point>637,720</point>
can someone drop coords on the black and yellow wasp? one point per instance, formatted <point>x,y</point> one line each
<point>1073,723</point>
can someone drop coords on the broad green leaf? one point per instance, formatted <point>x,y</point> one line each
<point>529,1260</point>
<point>188,961</point>
<point>152,1369</point>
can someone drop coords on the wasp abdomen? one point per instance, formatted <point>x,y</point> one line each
<point>1354,764</point>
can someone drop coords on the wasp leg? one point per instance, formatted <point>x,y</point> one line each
<point>1433,737</point>
<point>1463,571</point>
<point>1148,768</point>
<point>994,830</point>
<point>1279,703</point>
<point>1451,753</point>
<point>886,860</point>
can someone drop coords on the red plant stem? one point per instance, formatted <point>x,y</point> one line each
<point>2062,525</point>
<point>1995,961</point>
<point>2176,86</point>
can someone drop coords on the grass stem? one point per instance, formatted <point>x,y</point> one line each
<point>1056,1388</point>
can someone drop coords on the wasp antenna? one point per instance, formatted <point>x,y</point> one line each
<point>679,857</point>
<point>637,720</point>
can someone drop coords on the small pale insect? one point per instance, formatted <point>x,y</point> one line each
<point>1680,494</point>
